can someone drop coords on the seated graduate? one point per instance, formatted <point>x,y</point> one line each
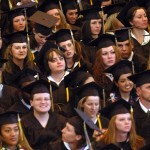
<point>121,129</point>
<point>41,126</point>
<point>123,87</point>
<point>11,133</point>
<point>89,101</point>
<point>74,134</point>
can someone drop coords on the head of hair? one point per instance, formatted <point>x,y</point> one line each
<point>134,140</point>
<point>132,11</point>
<point>99,66</point>
<point>49,56</point>
<point>28,61</point>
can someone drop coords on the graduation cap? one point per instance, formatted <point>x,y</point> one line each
<point>104,40</point>
<point>91,13</point>
<point>39,86</point>
<point>16,37</point>
<point>25,76</point>
<point>118,107</point>
<point>122,34</point>
<point>77,77</point>
<point>114,8</point>
<point>69,5</point>
<point>40,57</point>
<point>86,122</point>
<point>89,89</point>
<point>119,68</point>
<point>61,36</point>
<point>49,5</point>
<point>44,23</point>
<point>140,78</point>
<point>122,15</point>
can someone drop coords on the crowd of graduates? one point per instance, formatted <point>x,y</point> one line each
<point>74,75</point>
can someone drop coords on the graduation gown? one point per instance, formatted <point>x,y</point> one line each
<point>142,122</point>
<point>142,50</point>
<point>8,97</point>
<point>38,136</point>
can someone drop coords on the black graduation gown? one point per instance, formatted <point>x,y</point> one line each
<point>39,137</point>
<point>7,77</point>
<point>142,122</point>
<point>58,145</point>
<point>142,50</point>
<point>104,122</point>
<point>9,96</point>
<point>140,63</point>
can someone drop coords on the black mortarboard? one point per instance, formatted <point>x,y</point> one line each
<point>39,59</point>
<point>61,36</point>
<point>49,5</point>
<point>114,8</point>
<point>77,76</point>
<point>69,5</point>
<point>118,107</point>
<point>16,37</point>
<point>19,10</point>
<point>122,15</point>
<point>140,78</point>
<point>122,34</point>
<point>119,68</point>
<point>89,89</point>
<point>25,76</point>
<point>8,118</point>
<point>91,13</point>
<point>111,147</point>
<point>39,86</point>
<point>44,23</point>
<point>104,40</point>
<point>86,119</point>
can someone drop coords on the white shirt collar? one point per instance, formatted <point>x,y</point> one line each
<point>131,56</point>
<point>143,107</point>
<point>68,148</point>
<point>51,79</point>
<point>146,38</point>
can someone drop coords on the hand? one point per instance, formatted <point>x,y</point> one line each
<point>0,43</point>
<point>99,134</point>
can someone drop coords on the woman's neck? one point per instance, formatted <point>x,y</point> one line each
<point>94,36</point>
<point>121,137</point>
<point>93,119</point>
<point>73,146</point>
<point>138,33</point>
<point>70,62</point>
<point>19,63</point>
<point>58,76</point>
<point>10,147</point>
<point>125,96</point>
<point>42,118</point>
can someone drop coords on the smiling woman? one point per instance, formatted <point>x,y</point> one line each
<point>10,133</point>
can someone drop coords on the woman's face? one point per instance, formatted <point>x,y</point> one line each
<point>124,84</point>
<point>140,19</point>
<point>19,51</point>
<point>72,16</point>
<point>57,64</point>
<point>91,106</point>
<point>69,47</point>
<point>123,123</point>
<point>19,23</point>
<point>69,135</point>
<point>55,13</point>
<point>10,134</point>
<point>108,56</point>
<point>96,25</point>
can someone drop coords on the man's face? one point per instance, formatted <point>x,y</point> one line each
<point>144,92</point>
<point>125,49</point>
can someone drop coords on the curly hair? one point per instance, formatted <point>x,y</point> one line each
<point>99,66</point>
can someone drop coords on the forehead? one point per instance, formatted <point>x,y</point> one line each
<point>92,99</point>
<point>13,125</point>
<point>123,76</point>
<point>139,11</point>
<point>107,48</point>
<point>19,44</point>
<point>124,42</point>
<point>52,11</point>
<point>122,115</point>
<point>39,95</point>
<point>65,42</point>
<point>18,17</point>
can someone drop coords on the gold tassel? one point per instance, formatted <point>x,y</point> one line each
<point>99,121</point>
<point>51,96</point>
<point>67,94</point>
<point>20,128</point>
<point>91,2</point>
<point>79,63</point>
<point>10,4</point>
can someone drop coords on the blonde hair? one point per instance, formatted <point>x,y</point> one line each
<point>109,136</point>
